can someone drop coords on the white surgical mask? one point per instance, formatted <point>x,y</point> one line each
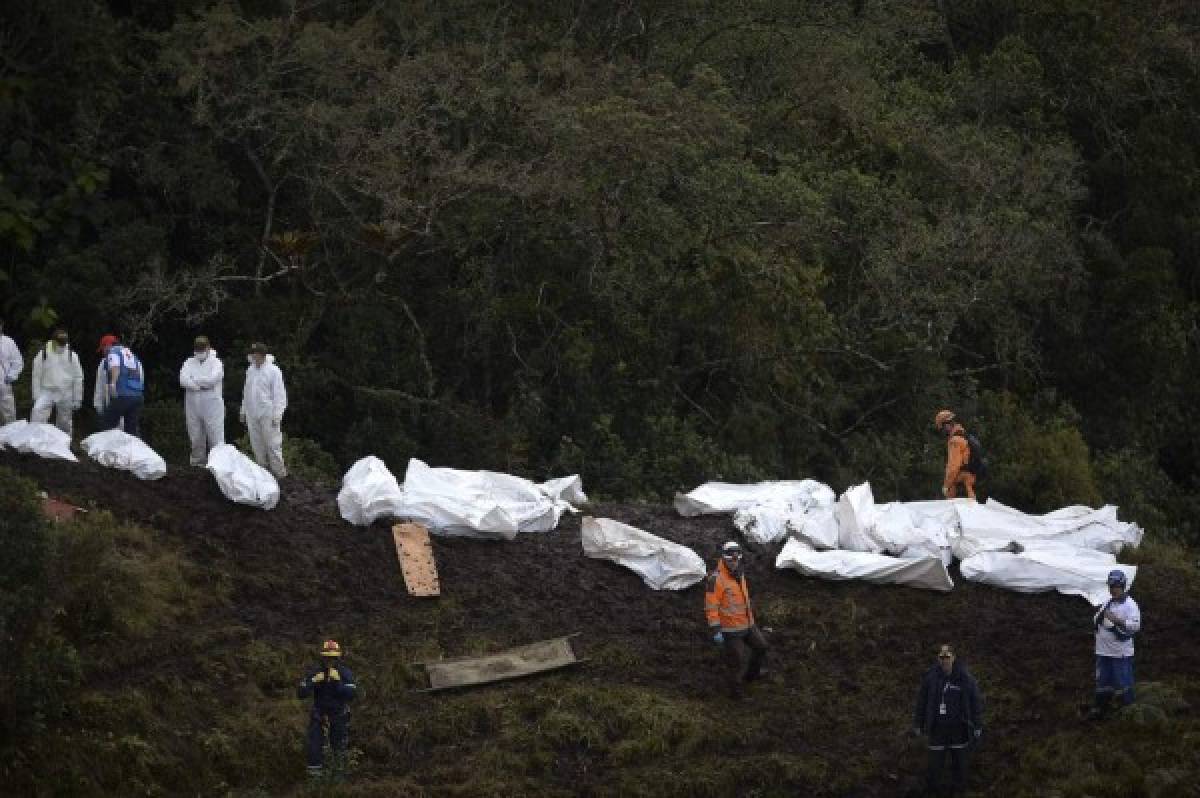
<point>202,356</point>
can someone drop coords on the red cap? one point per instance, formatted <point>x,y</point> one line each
<point>106,342</point>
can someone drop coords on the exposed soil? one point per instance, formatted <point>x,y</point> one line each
<point>300,572</point>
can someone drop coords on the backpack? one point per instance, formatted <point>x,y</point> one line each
<point>129,379</point>
<point>977,465</point>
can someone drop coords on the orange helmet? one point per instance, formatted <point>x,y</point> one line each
<point>330,648</point>
<point>942,417</point>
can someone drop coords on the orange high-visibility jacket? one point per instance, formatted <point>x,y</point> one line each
<point>958,454</point>
<point>727,601</point>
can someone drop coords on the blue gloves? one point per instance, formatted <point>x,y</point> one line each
<point>718,638</point>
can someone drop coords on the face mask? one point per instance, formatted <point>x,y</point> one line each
<point>202,356</point>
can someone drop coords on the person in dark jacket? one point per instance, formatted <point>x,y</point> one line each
<point>949,712</point>
<point>331,684</point>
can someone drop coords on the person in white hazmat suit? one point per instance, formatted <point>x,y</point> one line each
<point>264,399</point>
<point>201,378</point>
<point>57,383</point>
<point>11,365</point>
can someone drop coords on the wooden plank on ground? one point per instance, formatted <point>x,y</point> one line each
<point>415,551</point>
<point>57,510</point>
<point>526,660</point>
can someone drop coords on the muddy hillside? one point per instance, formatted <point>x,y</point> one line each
<point>647,712</point>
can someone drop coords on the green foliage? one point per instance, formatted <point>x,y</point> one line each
<point>654,245</point>
<point>1038,463</point>
<point>306,460</point>
<point>164,428</point>
<point>43,667</point>
<point>70,590</point>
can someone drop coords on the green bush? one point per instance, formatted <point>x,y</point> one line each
<point>41,669</point>
<point>1038,462</point>
<point>305,459</point>
<point>1133,480</point>
<point>164,428</point>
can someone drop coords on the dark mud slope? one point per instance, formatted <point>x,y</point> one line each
<point>831,718</point>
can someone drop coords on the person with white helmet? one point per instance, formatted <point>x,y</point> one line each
<point>201,378</point>
<point>332,686</point>
<point>730,618</point>
<point>264,400</point>
<point>1116,622</point>
<point>11,365</point>
<point>57,382</point>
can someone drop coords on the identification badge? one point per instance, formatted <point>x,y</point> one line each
<point>942,708</point>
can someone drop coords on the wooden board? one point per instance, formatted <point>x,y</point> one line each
<point>545,655</point>
<point>416,560</point>
<point>57,510</point>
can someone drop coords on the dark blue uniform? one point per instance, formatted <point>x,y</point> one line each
<point>950,711</point>
<point>331,705</point>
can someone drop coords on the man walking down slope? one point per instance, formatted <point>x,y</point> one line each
<point>202,377</point>
<point>264,400</point>
<point>731,619</point>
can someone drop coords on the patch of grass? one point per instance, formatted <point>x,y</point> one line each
<point>1140,751</point>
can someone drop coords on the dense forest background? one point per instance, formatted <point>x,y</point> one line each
<point>656,243</point>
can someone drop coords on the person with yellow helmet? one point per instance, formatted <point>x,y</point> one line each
<point>332,686</point>
<point>965,465</point>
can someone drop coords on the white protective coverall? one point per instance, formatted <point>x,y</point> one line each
<point>11,364</point>
<point>57,385</point>
<point>203,404</point>
<point>263,401</point>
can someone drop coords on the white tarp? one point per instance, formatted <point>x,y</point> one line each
<point>945,529</point>
<point>369,492</point>
<point>11,433</point>
<point>44,440</point>
<point>916,529</point>
<point>856,519</point>
<point>1039,567</point>
<point>818,528</point>
<point>992,526</point>
<point>661,564</point>
<point>241,479</point>
<point>483,504</point>
<point>928,573</point>
<point>716,498</point>
<point>125,452</point>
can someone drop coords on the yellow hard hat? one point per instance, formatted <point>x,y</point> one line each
<point>942,417</point>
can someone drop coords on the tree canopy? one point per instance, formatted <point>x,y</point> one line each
<point>658,243</point>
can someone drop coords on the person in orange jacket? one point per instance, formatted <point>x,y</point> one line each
<point>731,618</point>
<point>960,467</point>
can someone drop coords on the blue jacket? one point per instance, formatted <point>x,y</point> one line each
<point>329,695</point>
<point>958,690</point>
